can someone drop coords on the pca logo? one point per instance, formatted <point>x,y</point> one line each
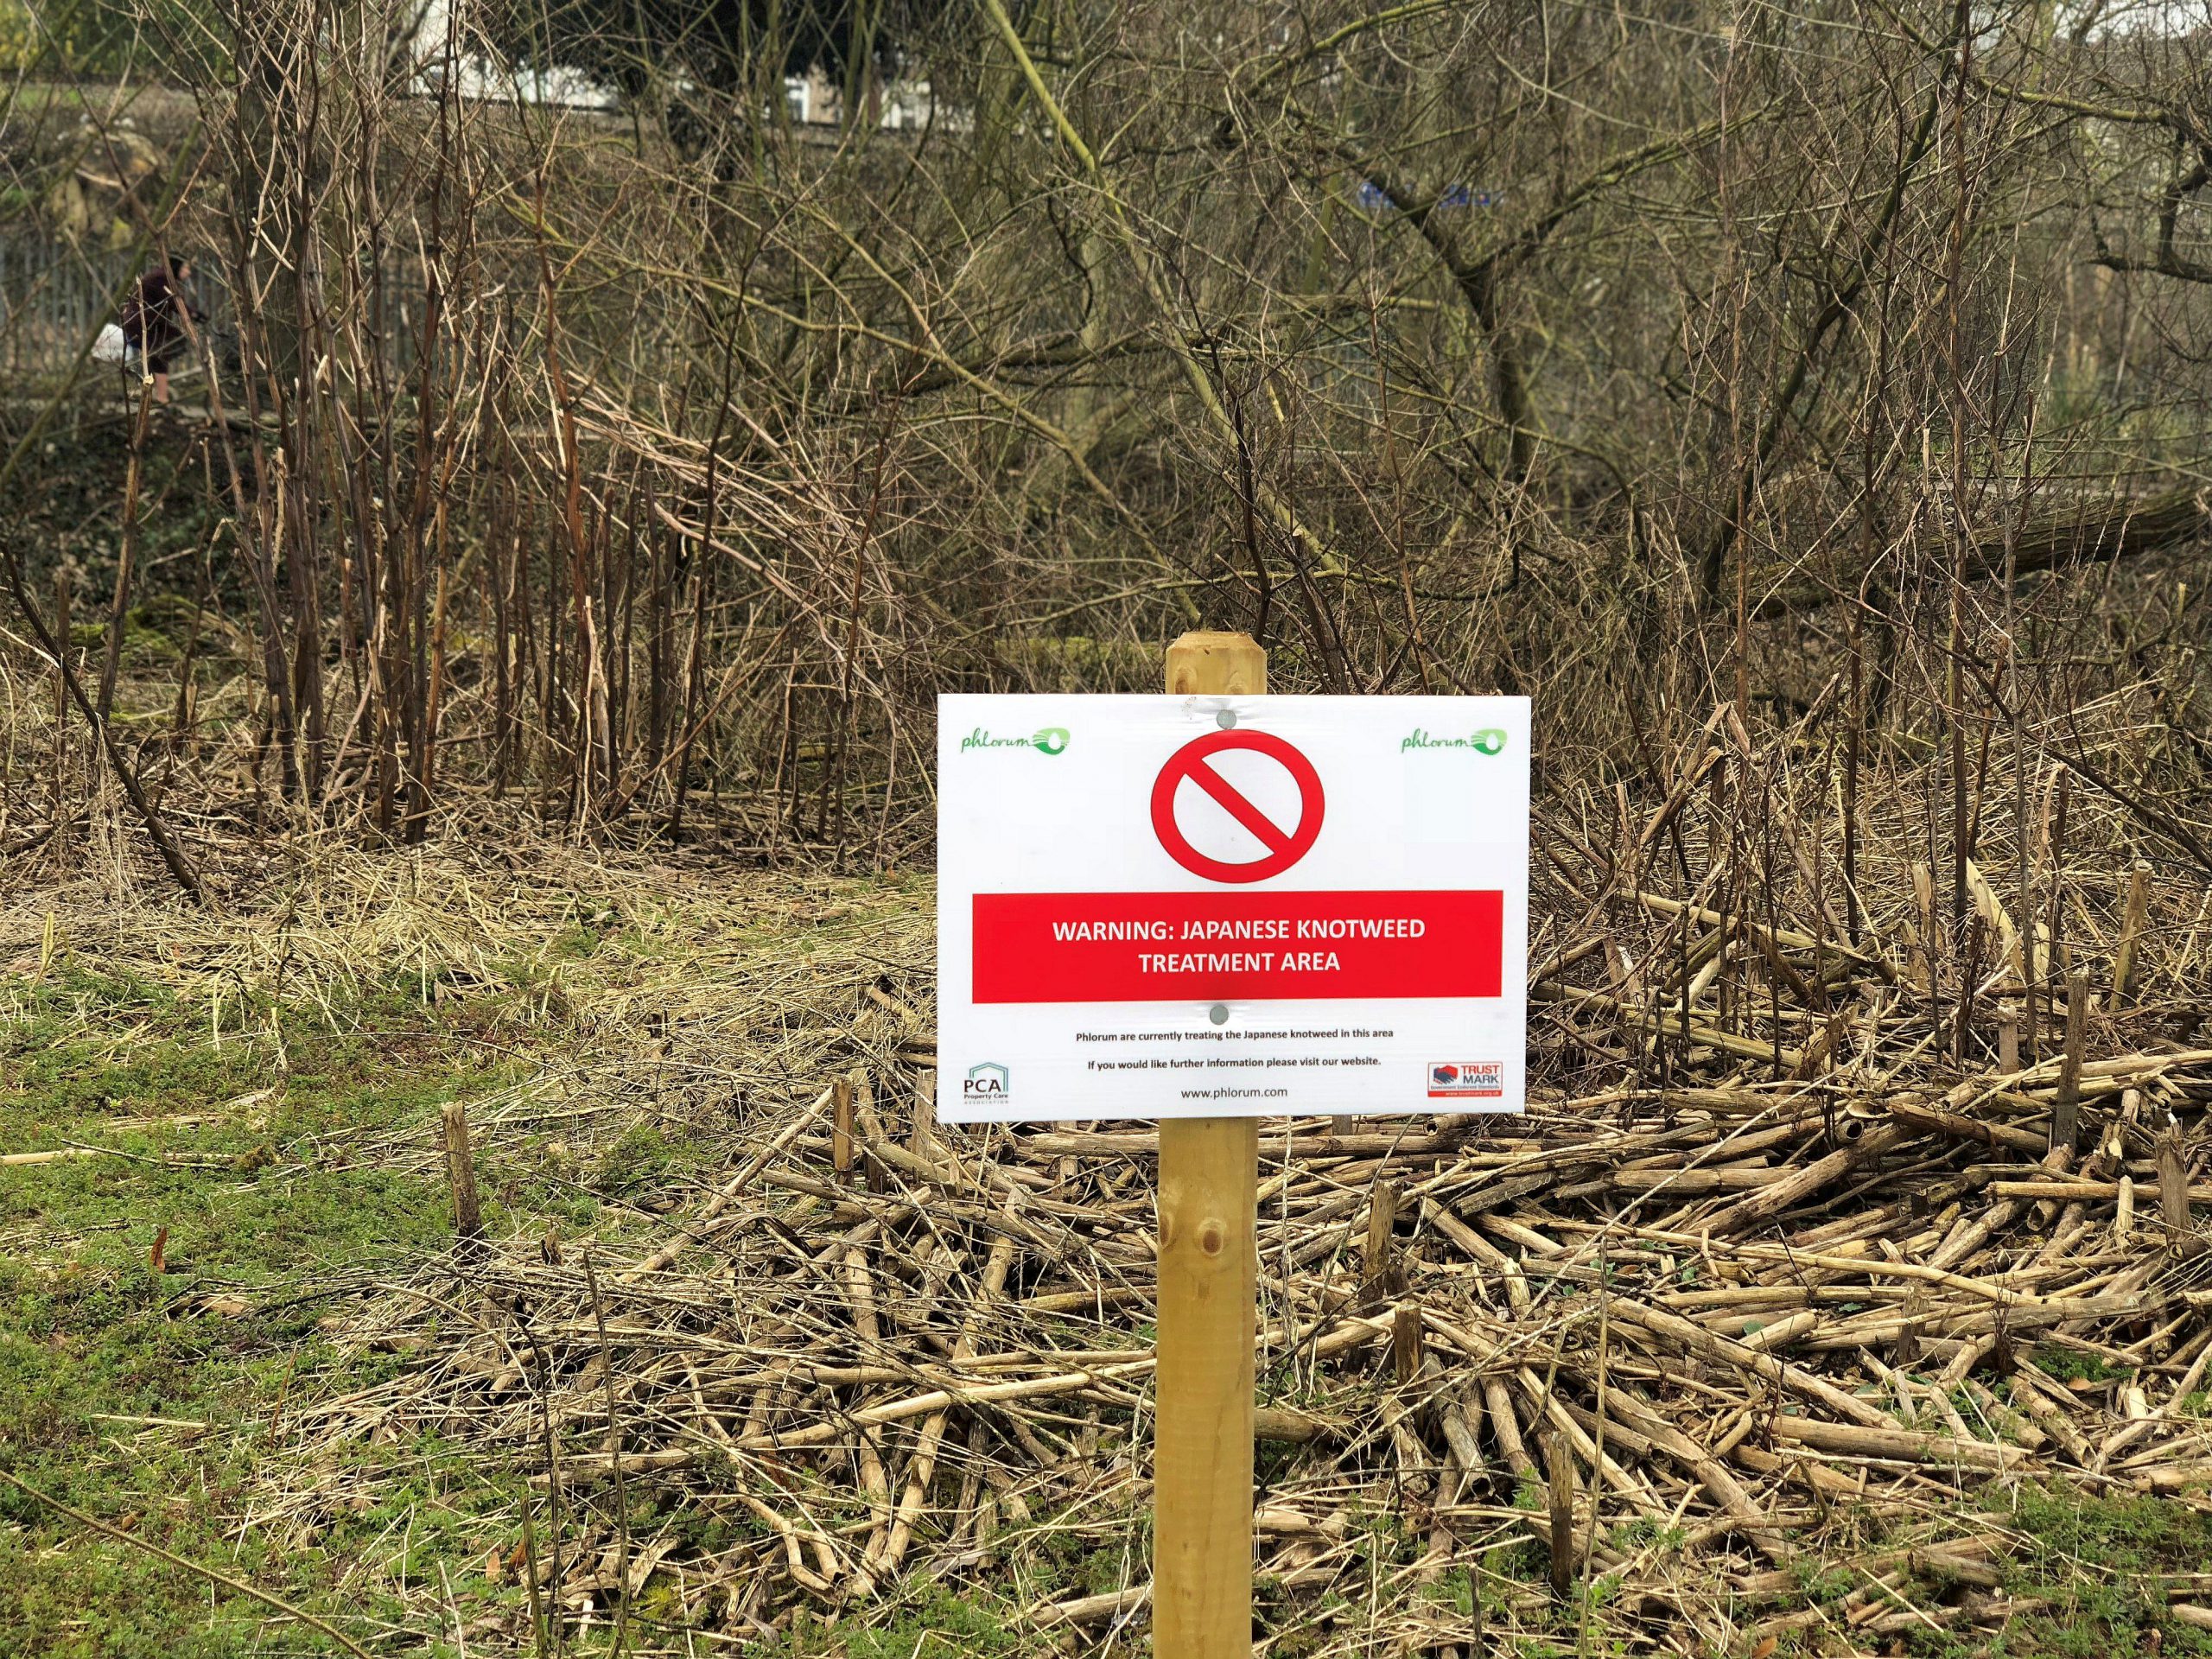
<point>986,1086</point>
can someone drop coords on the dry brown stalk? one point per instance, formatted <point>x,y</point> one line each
<point>922,1465</point>
<point>460,1173</point>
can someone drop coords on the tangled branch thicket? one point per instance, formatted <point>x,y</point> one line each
<point>1805,406</point>
<point>1829,360</point>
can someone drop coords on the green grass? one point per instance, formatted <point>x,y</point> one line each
<point>2089,1578</point>
<point>2068,1365</point>
<point>2100,1562</point>
<point>940,1626</point>
<point>278,1191</point>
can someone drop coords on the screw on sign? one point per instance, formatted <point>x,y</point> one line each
<point>1194,761</point>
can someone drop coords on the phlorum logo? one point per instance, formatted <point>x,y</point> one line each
<point>1489,741</point>
<point>1046,740</point>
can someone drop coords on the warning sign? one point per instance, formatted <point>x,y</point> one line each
<point>1230,906</point>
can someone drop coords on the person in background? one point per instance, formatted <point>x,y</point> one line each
<point>154,319</point>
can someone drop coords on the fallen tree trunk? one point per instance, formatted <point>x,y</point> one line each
<point>2093,532</point>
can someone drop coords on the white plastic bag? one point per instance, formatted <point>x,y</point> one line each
<point>109,347</point>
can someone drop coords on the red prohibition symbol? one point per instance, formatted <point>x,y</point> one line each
<point>1285,847</point>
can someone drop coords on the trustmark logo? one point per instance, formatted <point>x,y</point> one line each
<point>986,1086</point>
<point>1467,1079</point>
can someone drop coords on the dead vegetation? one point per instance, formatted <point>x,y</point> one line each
<point>1802,1292</point>
<point>576,514</point>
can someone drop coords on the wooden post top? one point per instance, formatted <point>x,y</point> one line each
<point>1217,665</point>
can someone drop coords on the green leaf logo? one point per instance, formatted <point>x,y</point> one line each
<point>1489,741</point>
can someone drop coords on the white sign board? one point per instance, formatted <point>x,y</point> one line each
<point>1231,906</point>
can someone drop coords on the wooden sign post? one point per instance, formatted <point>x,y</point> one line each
<point>1200,908</point>
<point>1209,1267</point>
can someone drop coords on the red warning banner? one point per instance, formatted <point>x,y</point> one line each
<point>1153,947</point>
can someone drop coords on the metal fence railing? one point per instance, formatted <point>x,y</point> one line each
<point>53,294</point>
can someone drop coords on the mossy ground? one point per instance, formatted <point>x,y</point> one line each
<point>2087,1575</point>
<point>2094,1576</point>
<point>158,1401</point>
<point>275,1131</point>
<point>284,1153</point>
